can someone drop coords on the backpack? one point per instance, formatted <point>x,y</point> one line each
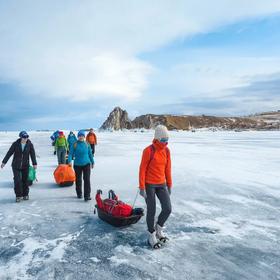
<point>113,205</point>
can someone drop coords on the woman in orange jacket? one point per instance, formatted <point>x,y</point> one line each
<point>155,180</point>
<point>92,140</point>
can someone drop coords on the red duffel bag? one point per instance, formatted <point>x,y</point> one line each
<point>113,205</point>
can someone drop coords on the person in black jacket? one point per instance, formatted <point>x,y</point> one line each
<point>22,149</point>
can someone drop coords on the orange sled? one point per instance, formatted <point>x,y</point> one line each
<point>64,175</point>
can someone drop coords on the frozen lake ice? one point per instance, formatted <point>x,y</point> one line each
<point>225,222</point>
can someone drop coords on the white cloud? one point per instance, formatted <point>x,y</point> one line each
<point>83,49</point>
<point>80,76</point>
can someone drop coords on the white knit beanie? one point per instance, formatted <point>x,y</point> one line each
<point>161,132</point>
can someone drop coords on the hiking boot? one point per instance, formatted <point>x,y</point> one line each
<point>26,197</point>
<point>79,196</point>
<point>87,198</point>
<point>153,241</point>
<point>160,234</point>
<point>18,199</point>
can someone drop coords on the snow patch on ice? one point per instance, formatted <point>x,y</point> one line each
<point>118,261</point>
<point>95,260</point>
<point>203,208</point>
<point>54,250</point>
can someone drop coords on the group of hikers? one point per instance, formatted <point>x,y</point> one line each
<point>80,150</point>
<point>63,146</point>
<point>155,178</point>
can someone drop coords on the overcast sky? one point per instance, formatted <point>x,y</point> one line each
<point>66,64</point>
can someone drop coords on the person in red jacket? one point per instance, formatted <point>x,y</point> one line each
<point>155,180</point>
<point>92,140</point>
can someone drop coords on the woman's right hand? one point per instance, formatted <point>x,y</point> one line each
<point>2,165</point>
<point>143,193</point>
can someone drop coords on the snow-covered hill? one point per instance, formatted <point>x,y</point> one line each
<point>224,225</point>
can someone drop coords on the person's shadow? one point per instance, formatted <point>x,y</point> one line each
<point>7,201</point>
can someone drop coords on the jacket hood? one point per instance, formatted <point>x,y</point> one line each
<point>19,141</point>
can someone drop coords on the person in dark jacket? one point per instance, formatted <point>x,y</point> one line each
<point>22,150</point>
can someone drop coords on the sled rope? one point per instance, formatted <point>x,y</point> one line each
<point>135,199</point>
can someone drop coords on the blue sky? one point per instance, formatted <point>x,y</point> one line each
<point>66,64</point>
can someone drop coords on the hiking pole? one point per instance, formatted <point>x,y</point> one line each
<point>135,199</point>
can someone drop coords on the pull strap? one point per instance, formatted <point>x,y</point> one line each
<point>112,195</point>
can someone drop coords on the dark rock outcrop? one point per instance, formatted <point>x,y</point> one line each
<point>118,119</point>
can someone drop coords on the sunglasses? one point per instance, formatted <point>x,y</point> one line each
<point>25,136</point>
<point>163,140</point>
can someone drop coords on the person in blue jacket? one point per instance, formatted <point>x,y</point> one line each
<point>53,138</point>
<point>71,139</point>
<point>81,152</point>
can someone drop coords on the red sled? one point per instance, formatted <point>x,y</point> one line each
<point>116,212</point>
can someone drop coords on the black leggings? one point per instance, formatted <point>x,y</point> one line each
<point>85,171</point>
<point>163,195</point>
<point>92,148</point>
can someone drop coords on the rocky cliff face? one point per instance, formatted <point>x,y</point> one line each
<point>118,119</point>
<point>148,121</point>
<point>193,122</point>
<point>270,120</point>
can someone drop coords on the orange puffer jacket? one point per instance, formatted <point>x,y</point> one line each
<point>91,138</point>
<point>155,167</point>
